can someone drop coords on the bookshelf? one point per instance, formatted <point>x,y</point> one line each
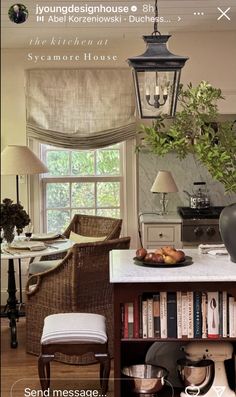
<point>131,281</point>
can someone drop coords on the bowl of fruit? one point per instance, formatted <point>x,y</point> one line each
<point>162,257</point>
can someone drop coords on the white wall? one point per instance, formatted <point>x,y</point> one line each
<point>212,57</point>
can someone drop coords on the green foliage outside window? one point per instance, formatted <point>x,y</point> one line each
<point>64,199</point>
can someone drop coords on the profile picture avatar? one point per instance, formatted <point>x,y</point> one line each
<point>18,13</point>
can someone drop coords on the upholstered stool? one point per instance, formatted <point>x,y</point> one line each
<point>74,334</point>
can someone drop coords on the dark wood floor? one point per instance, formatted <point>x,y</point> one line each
<point>19,375</point>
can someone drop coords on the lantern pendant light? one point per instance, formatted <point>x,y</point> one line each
<point>156,76</point>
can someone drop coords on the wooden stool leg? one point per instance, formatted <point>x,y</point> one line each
<point>106,374</point>
<point>44,370</point>
<point>105,366</point>
<point>101,372</point>
<point>48,372</point>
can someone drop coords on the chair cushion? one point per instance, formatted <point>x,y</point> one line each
<point>74,328</point>
<point>79,239</point>
<point>42,266</point>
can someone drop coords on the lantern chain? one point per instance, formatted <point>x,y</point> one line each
<point>156,31</point>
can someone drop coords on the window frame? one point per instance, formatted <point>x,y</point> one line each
<point>130,192</point>
<point>44,180</point>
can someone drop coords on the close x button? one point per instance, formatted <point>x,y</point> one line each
<point>223,13</point>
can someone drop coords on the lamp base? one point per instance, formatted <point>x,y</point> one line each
<point>164,204</point>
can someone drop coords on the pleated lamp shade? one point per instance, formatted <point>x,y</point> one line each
<point>20,160</point>
<point>164,183</point>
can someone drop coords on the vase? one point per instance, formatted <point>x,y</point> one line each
<point>227,224</point>
<point>8,233</point>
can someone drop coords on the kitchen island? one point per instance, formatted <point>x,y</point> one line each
<point>130,281</point>
<point>204,268</point>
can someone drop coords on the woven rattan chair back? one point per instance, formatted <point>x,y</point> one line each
<point>95,226</point>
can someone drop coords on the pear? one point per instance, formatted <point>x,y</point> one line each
<point>169,260</point>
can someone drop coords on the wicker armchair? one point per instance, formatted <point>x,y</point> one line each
<point>80,283</point>
<point>90,226</point>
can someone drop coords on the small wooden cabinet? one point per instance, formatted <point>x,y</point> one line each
<point>160,230</point>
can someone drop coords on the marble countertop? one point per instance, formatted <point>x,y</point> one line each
<point>205,268</point>
<point>172,217</point>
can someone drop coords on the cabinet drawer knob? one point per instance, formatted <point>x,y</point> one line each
<point>160,234</point>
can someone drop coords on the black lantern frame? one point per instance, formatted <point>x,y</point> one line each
<point>158,63</point>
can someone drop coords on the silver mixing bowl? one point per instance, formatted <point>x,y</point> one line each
<point>198,374</point>
<point>145,378</point>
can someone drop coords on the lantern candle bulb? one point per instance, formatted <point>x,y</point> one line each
<point>157,90</point>
<point>165,91</point>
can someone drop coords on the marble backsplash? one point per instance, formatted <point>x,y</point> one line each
<point>184,172</point>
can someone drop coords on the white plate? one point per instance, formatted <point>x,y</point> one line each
<point>45,236</point>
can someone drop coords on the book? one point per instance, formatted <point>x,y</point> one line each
<point>213,314</point>
<point>126,327</point>
<point>156,315</point>
<point>224,314</point>
<point>144,318</point>
<point>197,314</point>
<point>179,314</point>
<point>171,315</point>
<point>228,296</point>
<point>190,314</point>
<point>163,314</point>
<point>184,305</point>
<point>231,317</point>
<point>234,319</point>
<point>140,303</point>
<point>122,319</point>
<point>150,318</point>
<point>136,317</point>
<point>130,320</point>
<point>220,313</point>
<point>204,315</point>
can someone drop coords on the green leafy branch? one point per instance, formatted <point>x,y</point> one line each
<point>194,130</point>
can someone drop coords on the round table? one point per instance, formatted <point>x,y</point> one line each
<point>12,309</point>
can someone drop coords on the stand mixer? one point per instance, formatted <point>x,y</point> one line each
<point>216,379</point>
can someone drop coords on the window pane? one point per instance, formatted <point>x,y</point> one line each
<point>84,211</point>
<point>83,194</point>
<point>57,220</point>
<point>108,194</point>
<point>82,163</point>
<point>58,162</point>
<point>58,195</point>
<point>108,162</point>
<point>110,212</point>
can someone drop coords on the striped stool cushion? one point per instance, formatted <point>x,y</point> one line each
<point>74,328</point>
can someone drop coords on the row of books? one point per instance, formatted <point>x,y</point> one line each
<point>180,315</point>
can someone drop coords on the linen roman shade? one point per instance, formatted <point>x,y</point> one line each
<point>83,109</point>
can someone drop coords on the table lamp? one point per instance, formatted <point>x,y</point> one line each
<point>20,160</point>
<point>164,183</point>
